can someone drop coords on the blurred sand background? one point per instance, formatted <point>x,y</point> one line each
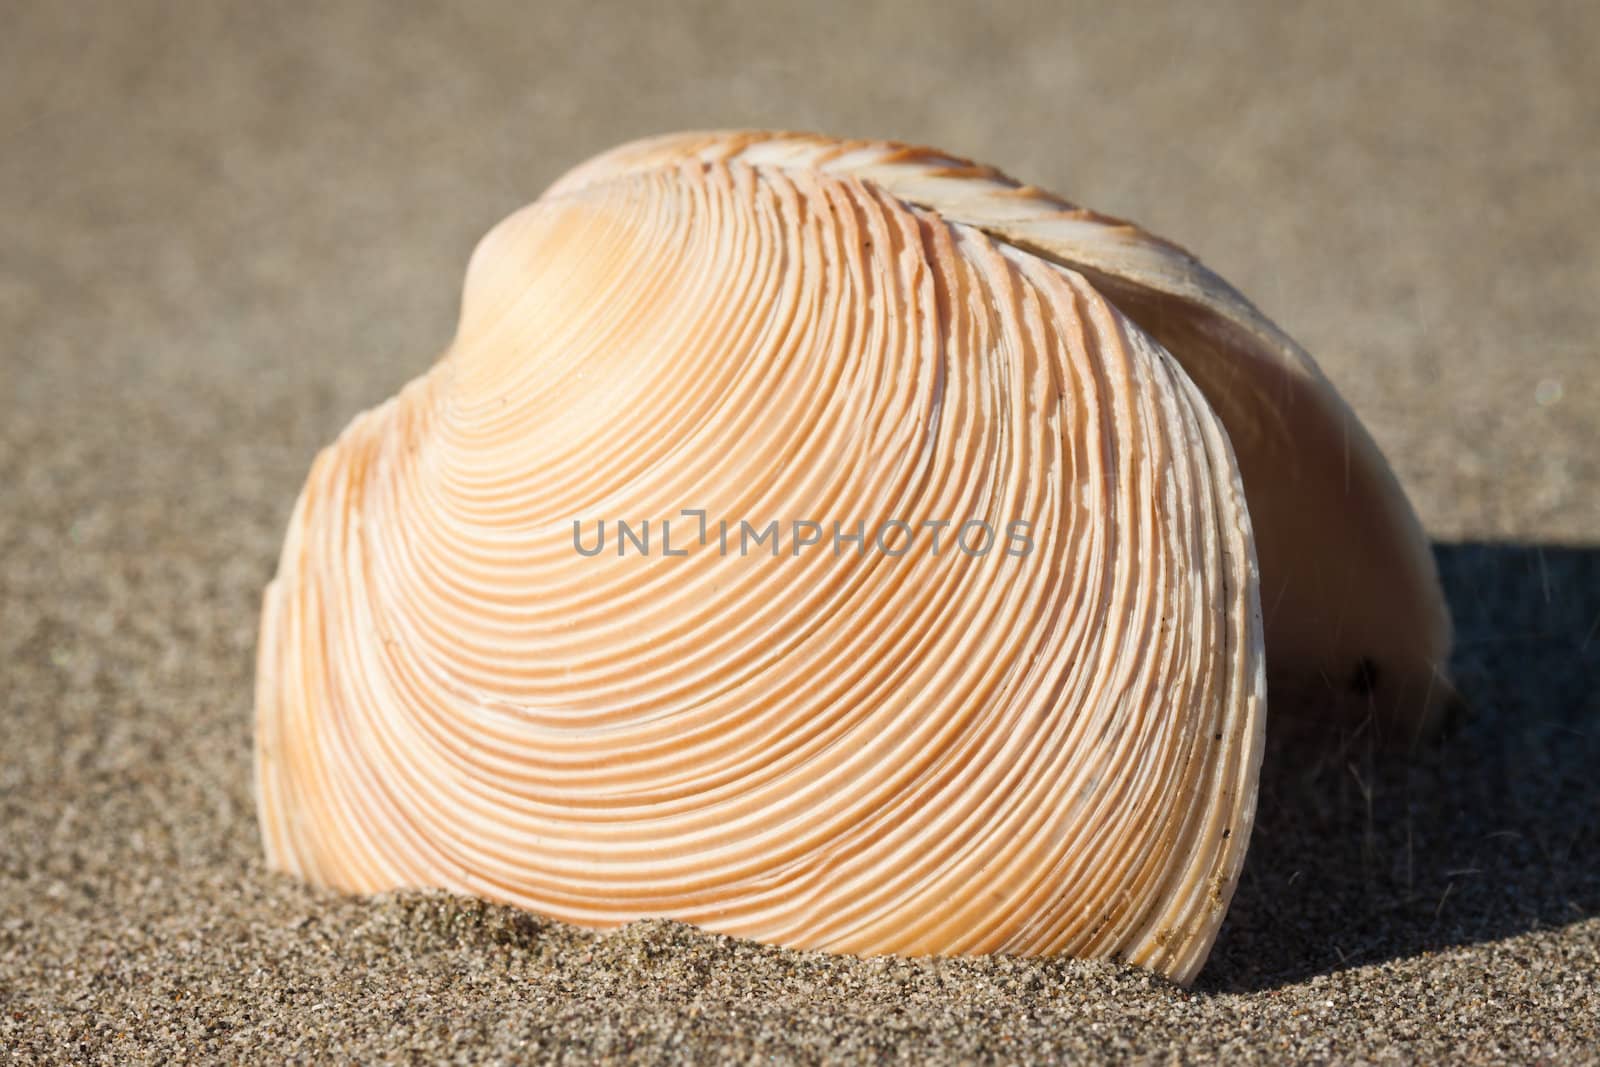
<point>226,229</point>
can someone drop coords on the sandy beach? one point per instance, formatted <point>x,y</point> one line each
<point>225,230</point>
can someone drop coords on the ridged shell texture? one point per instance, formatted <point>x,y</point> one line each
<point>838,748</point>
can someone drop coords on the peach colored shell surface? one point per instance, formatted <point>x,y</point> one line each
<point>860,745</point>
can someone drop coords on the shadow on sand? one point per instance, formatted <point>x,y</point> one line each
<point>1360,856</point>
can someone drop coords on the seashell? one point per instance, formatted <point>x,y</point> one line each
<point>856,745</point>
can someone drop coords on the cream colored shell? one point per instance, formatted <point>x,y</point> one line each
<point>1053,751</point>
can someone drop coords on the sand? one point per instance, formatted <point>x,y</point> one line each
<point>224,231</point>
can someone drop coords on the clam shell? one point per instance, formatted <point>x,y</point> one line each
<point>836,746</point>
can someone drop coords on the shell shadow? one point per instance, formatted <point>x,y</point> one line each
<point>1362,855</point>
